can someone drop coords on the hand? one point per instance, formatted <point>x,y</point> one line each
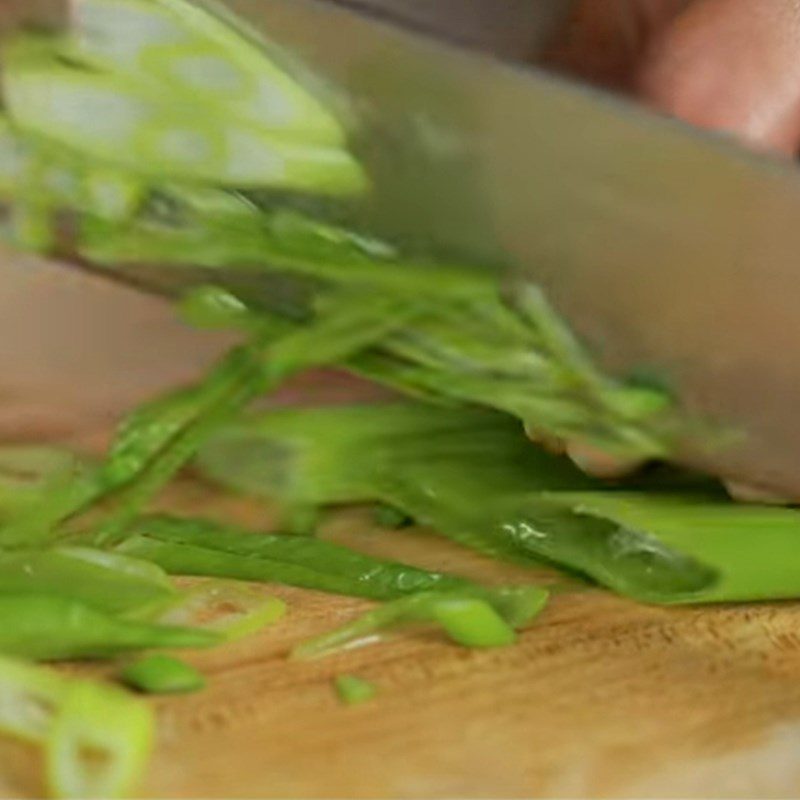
<point>727,65</point>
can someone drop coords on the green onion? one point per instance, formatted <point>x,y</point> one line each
<point>51,628</point>
<point>473,623</point>
<point>353,690</point>
<point>198,547</point>
<point>160,674</point>
<point>230,608</point>
<point>97,739</point>
<point>109,582</point>
<point>29,472</point>
<point>29,699</point>
<point>214,308</point>
<point>99,743</point>
<point>199,54</point>
<point>131,123</point>
<point>746,553</point>
<point>473,618</point>
<point>304,457</point>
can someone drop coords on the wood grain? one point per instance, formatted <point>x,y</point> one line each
<point>601,697</point>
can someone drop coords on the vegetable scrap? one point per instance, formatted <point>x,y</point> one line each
<point>353,691</point>
<point>161,674</point>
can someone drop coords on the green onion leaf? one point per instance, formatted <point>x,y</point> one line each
<point>353,690</point>
<point>473,618</point>
<point>160,674</point>
<point>204,548</point>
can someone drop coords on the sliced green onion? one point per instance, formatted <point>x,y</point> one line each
<point>112,193</point>
<point>195,52</point>
<point>467,624</point>
<point>230,608</point>
<point>119,121</point>
<point>160,674</point>
<point>473,623</point>
<point>29,699</point>
<point>99,743</point>
<point>353,690</point>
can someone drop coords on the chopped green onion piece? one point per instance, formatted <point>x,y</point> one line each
<point>473,623</point>
<point>214,308</point>
<point>202,55</point>
<point>160,674</point>
<point>230,608</point>
<point>353,690</point>
<point>121,121</point>
<point>513,607</point>
<point>99,743</point>
<point>29,699</point>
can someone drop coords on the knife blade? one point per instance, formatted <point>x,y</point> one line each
<point>667,249</point>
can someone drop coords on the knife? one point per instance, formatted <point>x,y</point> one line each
<point>667,249</point>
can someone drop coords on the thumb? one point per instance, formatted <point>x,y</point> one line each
<point>730,65</point>
<point>603,40</point>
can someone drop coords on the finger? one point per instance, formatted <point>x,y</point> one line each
<point>604,39</point>
<point>731,65</point>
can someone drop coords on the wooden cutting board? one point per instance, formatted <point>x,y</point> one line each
<point>601,697</point>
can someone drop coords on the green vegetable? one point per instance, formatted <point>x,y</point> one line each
<point>308,457</point>
<point>202,55</point>
<point>659,541</point>
<point>108,582</point>
<point>159,130</point>
<point>473,623</point>
<point>29,699</point>
<point>473,617</point>
<point>29,472</point>
<point>99,743</point>
<point>152,447</point>
<point>656,546</point>
<point>353,690</point>
<point>214,308</point>
<point>230,608</point>
<point>48,628</point>
<point>160,674</point>
<point>389,517</point>
<point>197,547</point>
<point>731,552</point>
<point>97,739</point>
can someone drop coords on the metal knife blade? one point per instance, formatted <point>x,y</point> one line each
<point>666,248</point>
